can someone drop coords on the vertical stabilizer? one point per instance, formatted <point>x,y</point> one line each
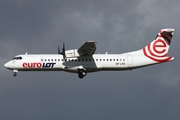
<point>158,49</point>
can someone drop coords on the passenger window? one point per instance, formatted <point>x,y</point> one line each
<point>96,59</point>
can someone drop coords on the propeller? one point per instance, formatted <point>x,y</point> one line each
<point>59,52</point>
<point>63,51</point>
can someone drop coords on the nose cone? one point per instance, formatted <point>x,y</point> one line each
<point>6,65</point>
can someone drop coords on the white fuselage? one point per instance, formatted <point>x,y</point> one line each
<point>97,62</point>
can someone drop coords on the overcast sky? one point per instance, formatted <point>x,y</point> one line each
<point>39,26</point>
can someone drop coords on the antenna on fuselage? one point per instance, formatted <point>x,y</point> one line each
<point>26,53</point>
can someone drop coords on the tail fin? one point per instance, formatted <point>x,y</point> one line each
<point>157,50</point>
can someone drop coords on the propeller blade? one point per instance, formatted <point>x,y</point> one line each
<point>63,51</point>
<point>63,48</point>
<point>59,52</point>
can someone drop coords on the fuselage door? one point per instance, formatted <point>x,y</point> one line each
<point>130,61</point>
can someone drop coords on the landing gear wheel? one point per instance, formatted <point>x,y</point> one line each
<point>15,74</point>
<point>81,76</point>
<point>82,73</point>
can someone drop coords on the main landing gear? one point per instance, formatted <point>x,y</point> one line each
<point>82,73</point>
<point>15,73</point>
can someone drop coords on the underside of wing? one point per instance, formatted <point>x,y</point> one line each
<point>88,49</point>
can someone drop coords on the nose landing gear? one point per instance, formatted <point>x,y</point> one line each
<point>15,73</point>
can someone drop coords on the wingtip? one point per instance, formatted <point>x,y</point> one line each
<point>89,41</point>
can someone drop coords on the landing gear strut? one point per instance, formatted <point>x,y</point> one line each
<point>81,73</point>
<point>15,73</point>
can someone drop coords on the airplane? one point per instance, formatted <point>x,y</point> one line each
<point>84,60</point>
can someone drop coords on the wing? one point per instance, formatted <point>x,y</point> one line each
<point>88,48</point>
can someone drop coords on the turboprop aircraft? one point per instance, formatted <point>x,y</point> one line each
<point>84,59</point>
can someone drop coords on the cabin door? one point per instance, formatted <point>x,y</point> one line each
<point>130,61</point>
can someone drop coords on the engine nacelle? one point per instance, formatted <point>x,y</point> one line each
<point>72,53</point>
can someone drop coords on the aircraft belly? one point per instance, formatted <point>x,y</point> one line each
<point>87,67</point>
<point>38,69</point>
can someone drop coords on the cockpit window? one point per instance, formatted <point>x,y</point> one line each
<point>17,58</point>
